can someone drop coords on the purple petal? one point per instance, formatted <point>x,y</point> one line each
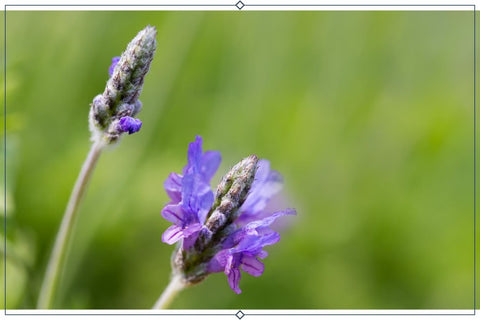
<point>218,262</point>
<point>210,163</point>
<point>197,197</point>
<point>253,244</point>
<point>267,183</point>
<point>189,240</point>
<point>174,213</point>
<point>263,254</point>
<point>173,187</point>
<point>205,164</point>
<point>234,280</point>
<point>195,154</point>
<point>129,124</point>
<point>113,65</point>
<point>256,234</point>
<point>172,234</point>
<point>268,220</point>
<point>252,266</point>
<point>191,229</point>
<point>175,233</point>
<point>233,274</point>
<point>267,240</point>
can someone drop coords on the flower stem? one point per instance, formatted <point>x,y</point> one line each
<point>52,274</point>
<point>174,287</point>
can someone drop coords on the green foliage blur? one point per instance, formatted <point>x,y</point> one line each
<point>368,116</point>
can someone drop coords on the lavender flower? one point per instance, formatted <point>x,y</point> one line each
<point>111,115</point>
<point>112,112</point>
<point>226,232</point>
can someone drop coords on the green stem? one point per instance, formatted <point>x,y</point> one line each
<point>52,274</point>
<point>174,287</point>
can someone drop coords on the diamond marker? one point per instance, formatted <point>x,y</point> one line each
<point>239,5</point>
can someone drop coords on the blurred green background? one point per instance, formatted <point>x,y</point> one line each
<point>368,115</point>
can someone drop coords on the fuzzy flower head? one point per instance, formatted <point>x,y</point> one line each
<point>226,231</point>
<point>113,112</point>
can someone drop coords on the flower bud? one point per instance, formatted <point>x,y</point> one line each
<point>120,98</point>
<point>231,193</point>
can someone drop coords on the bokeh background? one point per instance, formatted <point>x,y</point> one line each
<point>368,115</point>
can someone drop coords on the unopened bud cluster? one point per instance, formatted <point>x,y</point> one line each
<point>113,112</point>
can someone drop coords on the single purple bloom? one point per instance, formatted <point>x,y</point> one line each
<point>204,164</point>
<point>112,66</point>
<point>191,195</point>
<point>244,247</point>
<point>129,124</point>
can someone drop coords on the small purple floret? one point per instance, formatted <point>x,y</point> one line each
<point>244,247</point>
<point>112,66</point>
<point>129,124</point>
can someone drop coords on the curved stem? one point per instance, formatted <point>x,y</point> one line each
<point>52,274</point>
<point>170,292</point>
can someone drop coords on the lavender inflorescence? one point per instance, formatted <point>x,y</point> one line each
<point>222,232</point>
<point>112,112</point>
